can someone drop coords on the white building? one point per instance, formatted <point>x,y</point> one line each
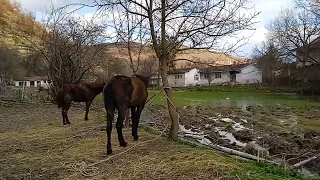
<point>239,73</point>
<point>184,77</point>
<point>34,81</point>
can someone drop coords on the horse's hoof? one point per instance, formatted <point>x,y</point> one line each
<point>123,144</point>
<point>86,119</point>
<point>109,151</point>
<point>135,138</point>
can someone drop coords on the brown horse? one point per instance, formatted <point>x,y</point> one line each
<point>82,92</point>
<point>121,93</point>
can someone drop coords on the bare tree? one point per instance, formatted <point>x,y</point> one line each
<point>149,67</point>
<point>312,6</point>
<point>176,26</point>
<point>268,60</point>
<point>131,34</point>
<point>293,31</point>
<point>64,50</point>
<point>210,75</point>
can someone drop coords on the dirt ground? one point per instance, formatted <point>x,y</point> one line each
<point>287,135</point>
<point>35,145</point>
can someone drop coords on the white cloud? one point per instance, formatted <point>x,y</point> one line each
<point>40,5</point>
<point>269,9</point>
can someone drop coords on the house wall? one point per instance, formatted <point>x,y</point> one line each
<point>225,77</point>
<point>28,83</point>
<point>173,82</point>
<point>249,75</point>
<point>186,80</point>
<point>190,77</point>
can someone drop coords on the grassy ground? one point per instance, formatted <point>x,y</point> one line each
<point>226,98</point>
<point>34,145</point>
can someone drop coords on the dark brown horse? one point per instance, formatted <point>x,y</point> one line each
<point>121,93</point>
<point>82,92</point>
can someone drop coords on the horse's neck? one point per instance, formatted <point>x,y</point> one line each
<point>96,89</point>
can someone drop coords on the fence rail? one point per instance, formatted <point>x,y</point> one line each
<point>23,94</point>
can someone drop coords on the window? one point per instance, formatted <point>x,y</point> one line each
<point>178,76</point>
<point>206,76</point>
<point>32,83</point>
<point>218,75</point>
<point>20,83</point>
<point>38,83</point>
<point>196,77</point>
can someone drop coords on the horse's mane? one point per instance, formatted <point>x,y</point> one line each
<point>142,78</point>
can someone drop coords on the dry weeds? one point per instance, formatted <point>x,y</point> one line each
<point>41,148</point>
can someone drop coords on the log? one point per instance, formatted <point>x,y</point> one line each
<point>222,149</point>
<point>232,151</point>
<point>297,165</point>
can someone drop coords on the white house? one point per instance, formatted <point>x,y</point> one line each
<point>240,73</point>
<point>34,81</point>
<point>184,77</point>
<point>249,74</point>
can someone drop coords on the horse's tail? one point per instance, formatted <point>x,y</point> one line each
<point>60,98</point>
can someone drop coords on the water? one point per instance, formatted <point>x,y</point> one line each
<point>237,99</point>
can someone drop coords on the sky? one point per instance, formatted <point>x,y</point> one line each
<point>269,10</point>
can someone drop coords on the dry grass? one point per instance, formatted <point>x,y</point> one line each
<point>53,151</point>
<point>42,148</point>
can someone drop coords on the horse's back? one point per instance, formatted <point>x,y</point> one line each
<point>118,89</point>
<point>76,92</point>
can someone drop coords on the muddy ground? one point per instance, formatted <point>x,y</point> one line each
<point>283,134</point>
<point>286,135</point>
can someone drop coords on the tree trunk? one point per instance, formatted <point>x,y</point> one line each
<point>158,81</point>
<point>172,111</point>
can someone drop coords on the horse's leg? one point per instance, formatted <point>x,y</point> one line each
<point>133,119</point>
<point>63,116</point>
<point>88,104</point>
<point>122,111</point>
<point>110,117</point>
<point>66,112</point>
<point>135,123</point>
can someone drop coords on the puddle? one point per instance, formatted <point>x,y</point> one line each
<point>231,138</point>
<point>199,136</point>
<point>239,127</point>
<point>243,104</point>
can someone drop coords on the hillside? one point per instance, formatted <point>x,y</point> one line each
<point>120,51</point>
<point>16,25</point>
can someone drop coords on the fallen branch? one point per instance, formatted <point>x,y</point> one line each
<point>297,165</point>
<point>232,151</point>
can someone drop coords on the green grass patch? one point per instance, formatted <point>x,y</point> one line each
<point>230,96</point>
<point>219,98</point>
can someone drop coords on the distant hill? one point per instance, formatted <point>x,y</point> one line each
<point>15,22</point>
<point>119,50</point>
